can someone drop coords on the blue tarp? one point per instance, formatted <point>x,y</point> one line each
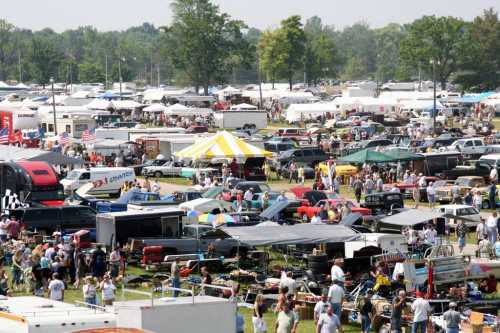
<point>473,99</point>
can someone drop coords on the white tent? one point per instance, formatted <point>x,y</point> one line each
<point>99,104</point>
<point>182,110</point>
<point>243,106</point>
<point>157,107</point>
<point>296,112</point>
<point>125,105</point>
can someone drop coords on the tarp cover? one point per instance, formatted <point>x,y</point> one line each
<point>292,234</point>
<point>411,217</point>
<point>367,156</point>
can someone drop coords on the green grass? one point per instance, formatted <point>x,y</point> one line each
<point>496,123</point>
<point>172,180</point>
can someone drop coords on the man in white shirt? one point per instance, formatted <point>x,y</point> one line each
<point>337,272</point>
<point>56,288</point>
<point>421,181</point>
<point>481,232</point>
<point>248,196</point>
<point>336,296</point>
<point>3,228</point>
<point>421,310</point>
<point>155,187</point>
<point>494,175</point>
<point>289,282</point>
<point>328,322</point>
<point>430,235</point>
<point>491,227</point>
<point>321,307</point>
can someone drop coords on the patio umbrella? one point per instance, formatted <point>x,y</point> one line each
<point>207,218</point>
<point>221,219</point>
<point>367,156</point>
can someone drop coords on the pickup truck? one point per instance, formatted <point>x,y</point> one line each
<point>196,238</point>
<point>473,147</point>
<point>480,168</point>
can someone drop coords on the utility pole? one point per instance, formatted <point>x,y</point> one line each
<point>434,111</point>
<point>158,69</point>
<point>261,106</point>
<point>54,105</point>
<point>19,67</point>
<point>120,75</point>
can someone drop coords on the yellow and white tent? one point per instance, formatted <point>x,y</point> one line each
<point>220,146</point>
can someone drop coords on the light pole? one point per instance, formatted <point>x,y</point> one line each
<point>53,105</point>
<point>434,110</point>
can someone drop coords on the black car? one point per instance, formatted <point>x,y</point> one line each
<point>60,218</point>
<point>304,156</point>
<point>383,202</point>
<point>258,187</point>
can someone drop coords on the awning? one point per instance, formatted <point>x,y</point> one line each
<point>222,145</point>
<point>411,217</point>
<point>10,153</point>
<point>292,234</point>
<point>367,156</point>
<point>57,159</point>
<point>157,107</point>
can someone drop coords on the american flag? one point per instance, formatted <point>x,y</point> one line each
<point>4,135</point>
<point>63,138</point>
<point>88,135</point>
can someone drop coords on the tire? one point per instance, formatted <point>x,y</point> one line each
<point>486,204</point>
<point>158,174</point>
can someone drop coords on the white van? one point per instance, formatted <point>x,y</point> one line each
<point>105,180</point>
<point>493,160</point>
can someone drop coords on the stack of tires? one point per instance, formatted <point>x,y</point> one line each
<point>318,264</point>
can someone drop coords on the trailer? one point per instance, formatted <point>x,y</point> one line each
<point>240,119</point>
<point>30,314</point>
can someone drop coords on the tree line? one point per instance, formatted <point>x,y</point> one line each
<point>204,46</point>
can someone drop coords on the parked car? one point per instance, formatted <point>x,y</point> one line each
<point>470,214</point>
<point>168,169</point>
<point>50,219</point>
<point>307,212</point>
<point>481,168</point>
<point>383,202</point>
<point>310,156</point>
<point>257,199</point>
<point>197,129</point>
<point>444,194</point>
<point>258,187</point>
<point>277,147</point>
<point>156,162</point>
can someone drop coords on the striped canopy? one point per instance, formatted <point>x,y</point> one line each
<point>219,146</point>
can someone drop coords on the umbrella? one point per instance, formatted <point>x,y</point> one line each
<point>207,218</point>
<point>367,156</point>
<point>192,214</point>
<point>221,219</point>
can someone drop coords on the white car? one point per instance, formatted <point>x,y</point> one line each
<point>471,214</point>
<point>168,169</point>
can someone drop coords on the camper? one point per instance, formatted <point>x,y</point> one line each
<point>105,180</point>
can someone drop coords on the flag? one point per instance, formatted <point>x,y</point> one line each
<point>63,138</point>
<point>88,135</point>
<point>4,135</point>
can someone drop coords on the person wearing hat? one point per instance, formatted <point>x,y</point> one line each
<point>337,273</point>
<point>421,310</point>
<point>452,318</point>
<point>321,307</point>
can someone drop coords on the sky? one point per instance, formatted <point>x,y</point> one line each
<point>121,14</point>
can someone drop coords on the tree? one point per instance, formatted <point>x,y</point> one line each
<point>438,39</point>
<point>293,48</point>
<point>5,47</point>
<point>45,58</point>
<point>201,40</point>
<point>480,68</point>
<point>388,40</point>
<point>90,73</point>
<point>270,53</point>
<point>320,52</point>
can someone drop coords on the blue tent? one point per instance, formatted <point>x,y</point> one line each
<point>474,99</point>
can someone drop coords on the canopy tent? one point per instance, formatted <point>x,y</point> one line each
<point>9,153</point>
<point>296,112</point>
<point>411,217</point>
<point>421,105</point>
<point>228,91</point>
<point>292,234</point>
<point>126,105</point>
<point>184,111</point>
<point>399,154</point>
<point>473,98</point>
<point>243,106</point>
<point>222,145</point>
<point>367,156</point>
<point>99,104</point>
<point>157,107</point>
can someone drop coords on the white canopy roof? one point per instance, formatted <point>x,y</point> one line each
<point>157,107</point>
<point>99,104</point>
<point>125,104</point>
<point>243,106</point>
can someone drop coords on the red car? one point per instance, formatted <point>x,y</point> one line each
<point>310,211</point>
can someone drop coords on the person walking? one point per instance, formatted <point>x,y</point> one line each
<point>108,290</point>
<point>492,195</point>
<point>481,231</point>
<point>431,195</point>
<point>491,227</point>
<point>329,322</point>
<point>321,307</point>
<point>335,297</point>
<point>287,321</point>
<point>89,291</point>
<point>398,305</point>
<point>421,310</point>
<point>452,318</point>
<point>175,276</point>
<point>258,323</point>
<point>357,185</point>
<point>56,288</point>
<point>416,195</point>
<point>366,312</point>
<point>461,231</point>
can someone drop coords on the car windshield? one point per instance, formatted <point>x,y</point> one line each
<point>439,183</point>
<point>72,175</point>
<point>467,211</point>
<point>462,182</point>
